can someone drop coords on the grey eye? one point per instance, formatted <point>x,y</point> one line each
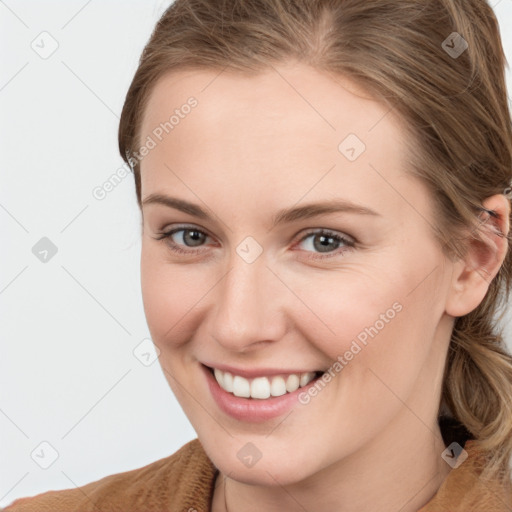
<point>322,242</point>
<point>190,237</point>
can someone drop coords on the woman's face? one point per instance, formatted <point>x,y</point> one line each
<point>258,282</point>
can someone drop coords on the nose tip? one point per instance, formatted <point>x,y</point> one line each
<point>249,308</point>
<point>239,345</point>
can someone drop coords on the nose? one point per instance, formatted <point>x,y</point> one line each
<point>250,309</point>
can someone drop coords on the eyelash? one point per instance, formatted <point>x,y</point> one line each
<point>349,244</point>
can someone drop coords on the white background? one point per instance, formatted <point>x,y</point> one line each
<point>68,374</point>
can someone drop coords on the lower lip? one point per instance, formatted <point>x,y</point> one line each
<point>252,409</point>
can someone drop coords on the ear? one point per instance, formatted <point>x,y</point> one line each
<point>472,276</point>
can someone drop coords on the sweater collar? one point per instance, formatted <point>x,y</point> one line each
<point>464,490</point>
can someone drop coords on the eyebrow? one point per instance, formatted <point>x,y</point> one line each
<point>283,216</point>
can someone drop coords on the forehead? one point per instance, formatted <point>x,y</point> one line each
<point>283,128</point>
<point>315,102</point>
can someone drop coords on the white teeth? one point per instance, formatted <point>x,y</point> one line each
<point>228,382</point>
<point>262,387</point>
<point>241,387</point>
<point>292,383</point>
<point>219,376</point>
<point>278,386</point>
<point>306,378</point>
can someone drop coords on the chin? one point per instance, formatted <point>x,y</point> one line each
<point>255,460</point>
<point>269,473</point>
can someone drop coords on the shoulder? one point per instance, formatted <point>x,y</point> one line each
<point>180,482</point>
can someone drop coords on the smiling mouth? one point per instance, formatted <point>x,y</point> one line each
<point>262,388</point>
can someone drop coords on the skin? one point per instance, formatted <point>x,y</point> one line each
<point>256,144</point>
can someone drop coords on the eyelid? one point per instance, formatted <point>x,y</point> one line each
<point>333,232</point>
<point>180,227</point>
<point>348,240</point>
<point>164,234</point>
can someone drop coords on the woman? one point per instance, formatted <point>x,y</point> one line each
<point>325,194</point>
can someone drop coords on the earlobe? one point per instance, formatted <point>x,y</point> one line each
<point>472,276</point>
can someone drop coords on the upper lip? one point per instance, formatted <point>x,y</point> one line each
<point>250,373</point>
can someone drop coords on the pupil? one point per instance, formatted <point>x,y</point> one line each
<point>324,243</point>
<point>195,236</point>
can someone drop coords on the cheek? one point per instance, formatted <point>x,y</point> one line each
<point>169,294</point>
<point>383,314</point>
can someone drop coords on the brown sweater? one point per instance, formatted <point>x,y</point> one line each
<point>184,482</point>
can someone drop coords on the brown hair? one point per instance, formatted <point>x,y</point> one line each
<point>454,105</point>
